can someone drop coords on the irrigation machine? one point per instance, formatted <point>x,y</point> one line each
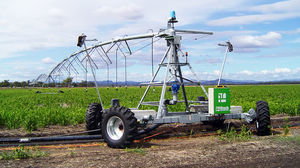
<point>121,125</point>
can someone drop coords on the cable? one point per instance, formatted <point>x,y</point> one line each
<point>145,46</point>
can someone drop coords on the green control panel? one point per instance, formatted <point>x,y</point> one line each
<point>219,100</point>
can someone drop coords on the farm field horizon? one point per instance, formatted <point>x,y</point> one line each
<point>25,108</point>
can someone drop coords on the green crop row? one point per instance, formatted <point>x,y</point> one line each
<point>30,110</point>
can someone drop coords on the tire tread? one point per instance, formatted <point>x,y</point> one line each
<point>93,118</point>
<point>129,121</point>
<point>263,118</point>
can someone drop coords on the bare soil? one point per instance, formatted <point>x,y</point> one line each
<point>55,130</point>
<point>182,146</point>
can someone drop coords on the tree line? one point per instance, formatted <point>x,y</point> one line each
<point>6,83</point>
<point>68,82</point>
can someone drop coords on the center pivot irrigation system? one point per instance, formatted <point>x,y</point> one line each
<point>120,125</point>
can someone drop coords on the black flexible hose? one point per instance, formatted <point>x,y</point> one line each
<point>53,138</point>
<point>64,138</point>
<point>81,137</point>
<point>144,131</point>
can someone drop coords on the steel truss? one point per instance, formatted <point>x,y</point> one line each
<point>171,61</point>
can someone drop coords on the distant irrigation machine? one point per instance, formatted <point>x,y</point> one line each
<point>120,125</point>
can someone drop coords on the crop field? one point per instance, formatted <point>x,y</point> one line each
<point>25,108</point>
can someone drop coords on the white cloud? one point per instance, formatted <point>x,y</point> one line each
<point>282,6</point>
<point>31,24</point>
<point>264,75</point>
<point>251,19</point>
<point>216,72</point>
<point>267,75</point>
<point>48,60</point>
<point>251,43</point>
<point>35,25</point>
<point>265,13</point>
<point>128,12</point>
<point>229,34</point>
<point>202,75</point>
<point>4,76</point>
<point>282,70</point>
<point>203,45</point>
<point>245,72</point>
<point>291,32</point>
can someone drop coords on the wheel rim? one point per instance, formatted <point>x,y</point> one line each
<point>115,128</point>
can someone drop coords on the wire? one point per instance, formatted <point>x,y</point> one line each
<point>140,41</point>
<point>145,46</point>
<point>201,37</point>
<point>196,38</point>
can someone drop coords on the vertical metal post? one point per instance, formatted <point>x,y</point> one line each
<point>152,64</point>
<point>107,75</point>
<point>86,71</point>
<point>152,60</point>
<point>69,84</point>
<point>125,72</point>
<point>163,90</point>
<point>116,68</point>
<point>178,68</point>
<point>183,90</point>
<point>152,56</point>
<point>158,68</point>
<point>76,79</point>
<point>225,56</point>
<point>161,112</point>
<point>96,85</point>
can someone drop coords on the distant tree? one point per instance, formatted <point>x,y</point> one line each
<point>75,84</point>
<point>39,84</point>
<point>23,84</point>
<point>91,84</point>
<point>5,83</point>
<point>16,84</point>
<point>67,81</point>
<point>82,83</point>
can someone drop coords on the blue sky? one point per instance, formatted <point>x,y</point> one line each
<point>37,35</point>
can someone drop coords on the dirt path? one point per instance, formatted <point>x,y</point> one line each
<point>186,151</point>
<point>56,130</point>
<point>176,148</point>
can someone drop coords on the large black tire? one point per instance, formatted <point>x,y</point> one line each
<point>119,127</point>
<point>263,122</point>
<point>93,118</point>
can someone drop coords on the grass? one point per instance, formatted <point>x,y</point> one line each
<point>22,153</point>
<point>25,108</point>
<point>137,150</point>
<point>286,127</point>
<point>294,139</point>
<point>191,133</point>
<point>72,153</point>
<point>232,135</point>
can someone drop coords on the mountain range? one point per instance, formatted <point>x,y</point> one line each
<point>209,82</point>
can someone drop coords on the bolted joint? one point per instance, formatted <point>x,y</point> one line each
<point>250,117</point>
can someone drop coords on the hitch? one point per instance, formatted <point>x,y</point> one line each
<point>250,117</point>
